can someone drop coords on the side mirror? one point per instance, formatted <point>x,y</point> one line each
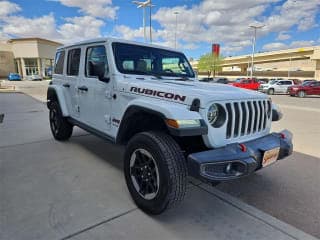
<point>100,71</point>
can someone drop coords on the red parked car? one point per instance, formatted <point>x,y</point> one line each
<point>307,88</point>
<point>248,83</point>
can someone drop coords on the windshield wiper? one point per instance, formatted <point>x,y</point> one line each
<point>182,78</point>
<point>157,76</point>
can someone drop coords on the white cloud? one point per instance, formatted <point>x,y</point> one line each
<point>79,28</point>
<point>298,44</point>
<point>280,46</point>
<point>294,12</point>
<point>283,36</point>
<point>18,26</point>
<point>8,8</point>
<point>96,8</point>
<point>227,22</point>
<point>274,46</point>
<point>128,33</point>
<point>210,21</point>
<point>219,21</point>
<point>73,29</point>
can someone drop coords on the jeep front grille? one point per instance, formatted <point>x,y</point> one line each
<point>247,117</point>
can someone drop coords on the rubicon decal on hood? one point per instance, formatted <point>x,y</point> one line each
<point>161,94</point>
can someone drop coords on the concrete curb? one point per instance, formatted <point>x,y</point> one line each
<point>8,90</point>
<point>258,214</point>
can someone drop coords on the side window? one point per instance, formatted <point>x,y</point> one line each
<point>73,62</point>
<point>96,62</point>
<point>59,62</point>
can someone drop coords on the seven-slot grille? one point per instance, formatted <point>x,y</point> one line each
<point>247,117</point>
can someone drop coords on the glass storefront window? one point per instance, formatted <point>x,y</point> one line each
<point>31,66</point>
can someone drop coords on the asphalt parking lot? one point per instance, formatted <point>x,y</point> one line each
<point>76,190</point>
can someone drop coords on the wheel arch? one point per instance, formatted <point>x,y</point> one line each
<point>138,118</point>
<point>55,93</point>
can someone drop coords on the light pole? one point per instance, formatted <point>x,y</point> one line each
<point>150,22</point>
<point>248,66</point>
<point>255,27</point>
<point>176,29</point>
<point>144,5</point>
<point>289,69</point>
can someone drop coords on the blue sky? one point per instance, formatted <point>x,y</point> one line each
<point>288,23</point>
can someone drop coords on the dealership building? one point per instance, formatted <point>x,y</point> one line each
<point>30,57</point>
<point>298,63</point>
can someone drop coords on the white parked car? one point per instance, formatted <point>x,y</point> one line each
<point>35,77</point>
<point>276,86</point>
<point>148,98</point>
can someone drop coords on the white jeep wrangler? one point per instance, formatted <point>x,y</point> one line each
<point>148,98</point>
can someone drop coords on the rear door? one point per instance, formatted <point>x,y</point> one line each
<point>282,86</point>
<point>71,80</point>
<point>285,85</point>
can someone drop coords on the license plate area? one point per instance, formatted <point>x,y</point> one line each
<point>270,156</point>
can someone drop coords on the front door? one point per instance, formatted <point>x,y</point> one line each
<point>95,89</point>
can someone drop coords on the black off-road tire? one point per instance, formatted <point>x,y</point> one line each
<point>271,91</point>
<point>172,169</point>
<point>60,127</point>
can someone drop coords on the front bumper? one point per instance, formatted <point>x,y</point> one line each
<point>237,160</point>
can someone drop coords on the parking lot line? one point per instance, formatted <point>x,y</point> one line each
<point>98,224</point>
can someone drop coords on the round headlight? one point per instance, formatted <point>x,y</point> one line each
<point>216,115</point>
<point>213,113</point>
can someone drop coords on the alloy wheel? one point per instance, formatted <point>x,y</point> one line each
<point>144,174</point>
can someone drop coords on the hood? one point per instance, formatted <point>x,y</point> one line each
<point>185,92</point>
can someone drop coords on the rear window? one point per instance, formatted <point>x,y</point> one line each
<point>73,62</point>
<point>59,62</point>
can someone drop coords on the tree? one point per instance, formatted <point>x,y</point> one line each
<point>210,63</point>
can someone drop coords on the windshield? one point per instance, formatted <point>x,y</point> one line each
<point>273,82</point>
<point>135,59</point>
<point>307,83</point>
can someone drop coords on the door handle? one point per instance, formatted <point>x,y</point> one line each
<point>83,88</point>
<point>67,85</point>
